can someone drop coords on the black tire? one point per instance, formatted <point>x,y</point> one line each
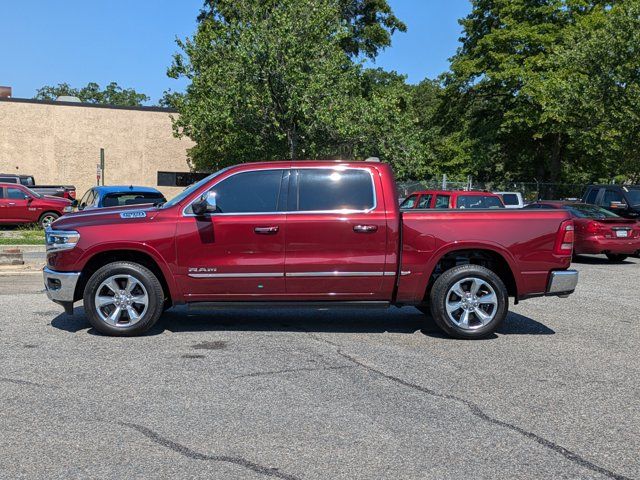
<point>616,257</point>
<point>47,218</point>
<point>439,296</point>
<point>149,316</point>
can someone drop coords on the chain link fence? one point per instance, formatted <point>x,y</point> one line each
<point>530,191</point>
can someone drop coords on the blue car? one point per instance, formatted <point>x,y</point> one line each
<point>119,196</point>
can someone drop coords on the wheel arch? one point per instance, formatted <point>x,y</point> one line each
<point>102,258</point>
<point>495,259</point>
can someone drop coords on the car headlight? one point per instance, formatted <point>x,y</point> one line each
<point>67,209</point>
<point>57,240</point>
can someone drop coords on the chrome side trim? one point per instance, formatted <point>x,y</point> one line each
<point>236,275</point>
<point>562,281</point>
<point>63,284</point>
<point>296,212</point>
<point>292,274</point>
<point>340,274</point>
<point>405,272</point>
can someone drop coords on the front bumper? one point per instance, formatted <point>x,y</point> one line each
<point>562,282</point>
<point>60,286</point>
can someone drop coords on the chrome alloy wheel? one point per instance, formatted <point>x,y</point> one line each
<point>121,300</point>
<point>47,220</point>
<point>471,303</point>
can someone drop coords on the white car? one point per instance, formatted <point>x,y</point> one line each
<point>511,199</point>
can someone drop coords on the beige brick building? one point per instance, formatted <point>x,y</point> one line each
<point>59,143</point>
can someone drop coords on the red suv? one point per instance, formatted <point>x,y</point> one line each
<point>19,204</point>
<point>452,199</point>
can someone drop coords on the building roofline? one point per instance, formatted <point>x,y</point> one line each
<point>90,105</point>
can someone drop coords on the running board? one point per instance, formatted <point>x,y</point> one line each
<point>278,304</point>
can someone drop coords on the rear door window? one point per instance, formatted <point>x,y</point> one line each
<point>425,201</point>
<point>442,201</point>
<point>611,196</point>
<point>320,189</point>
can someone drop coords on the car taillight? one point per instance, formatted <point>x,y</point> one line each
<point>564,239</point>
<point>72,194</point>
<point>592,228</point>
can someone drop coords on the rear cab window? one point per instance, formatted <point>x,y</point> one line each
<point>478,201</point>
<point>129,198</point>
<point>326,189</point>
<point>510,199</point>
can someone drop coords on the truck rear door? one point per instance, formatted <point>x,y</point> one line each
<point>336,235</point>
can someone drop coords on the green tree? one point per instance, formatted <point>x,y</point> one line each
<point>597,92</point>
<point>272,80</point>
<point>369,23</point>
<point>497,95</point>
<point>113,94</point>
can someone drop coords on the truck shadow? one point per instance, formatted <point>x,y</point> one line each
<point>405,320</point>
<point>601,260</point>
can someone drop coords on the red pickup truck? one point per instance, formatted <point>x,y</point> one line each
<point>305,233</point>
<point>20,205</point>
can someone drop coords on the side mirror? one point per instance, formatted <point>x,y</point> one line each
<point>74,204</point>
<point>205,204</point>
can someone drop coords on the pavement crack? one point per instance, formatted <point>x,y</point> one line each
<point>290,370</point>
<point>189,453</point>
<point>20,382</point>
<point>478,412</point>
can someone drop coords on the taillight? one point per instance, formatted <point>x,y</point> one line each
<point>592,228</point>
<point>72,194</point>
<point>564,239</point>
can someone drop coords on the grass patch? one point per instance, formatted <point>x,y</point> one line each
<point>22,236</point>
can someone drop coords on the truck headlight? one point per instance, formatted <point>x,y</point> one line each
<point>57,240</point>
<point>67,209</point>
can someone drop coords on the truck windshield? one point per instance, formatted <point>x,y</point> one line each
<point>634,195</point>
<point>192,188</point>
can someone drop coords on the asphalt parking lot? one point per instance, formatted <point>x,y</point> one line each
<point>303,394</point>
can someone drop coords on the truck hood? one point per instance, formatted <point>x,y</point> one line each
<point>109,215</point>
<point>52,198</point>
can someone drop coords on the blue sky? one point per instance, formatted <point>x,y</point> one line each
<point>131,42</point>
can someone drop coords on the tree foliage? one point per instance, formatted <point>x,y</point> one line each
<point>112,94</point>
<point>543,90</point>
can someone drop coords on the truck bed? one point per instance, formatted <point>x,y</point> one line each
<point>523,238</point>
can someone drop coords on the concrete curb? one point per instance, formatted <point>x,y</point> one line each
<point>26,248</point>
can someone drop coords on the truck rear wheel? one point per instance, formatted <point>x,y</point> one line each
<point>123,299</point>
<point>469,301</point>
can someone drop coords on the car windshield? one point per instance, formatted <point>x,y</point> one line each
<point>589,211</point>
<point>634,195</point>
<point>192,188</point>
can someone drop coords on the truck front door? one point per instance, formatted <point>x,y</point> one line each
<point>236,253</point>
<point>336,236</point>
<point>17,206</point>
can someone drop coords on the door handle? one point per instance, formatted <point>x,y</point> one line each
<point>365,228</point>
<point>266,230</point>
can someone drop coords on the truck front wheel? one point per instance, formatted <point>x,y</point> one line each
<point>123,299</point>
<point>469,301</point>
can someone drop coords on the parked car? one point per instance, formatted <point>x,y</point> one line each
<point>119,196</point>
<point>511,199</point>
<point>315,233</point>
<point>19,205</point>
<point>63,191</point>
<point>599,231</point>
<point>623,200</point>
<point>452,199</point>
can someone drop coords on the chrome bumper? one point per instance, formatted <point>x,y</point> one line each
<point>562,282</point>
<point>60,286</point>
